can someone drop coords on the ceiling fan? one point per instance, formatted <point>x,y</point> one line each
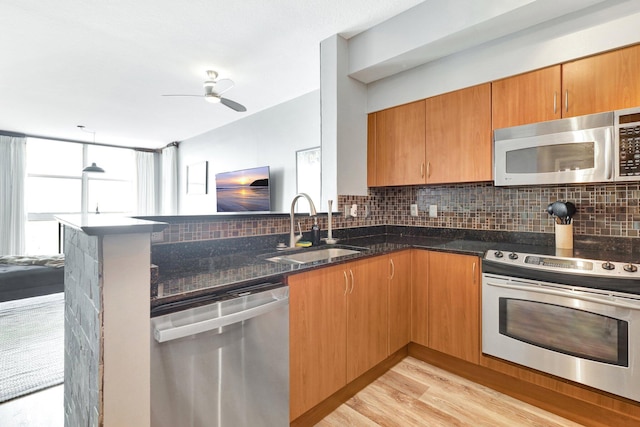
<point>212,95</point>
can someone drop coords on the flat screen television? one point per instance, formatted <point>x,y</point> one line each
<point>243,190</point>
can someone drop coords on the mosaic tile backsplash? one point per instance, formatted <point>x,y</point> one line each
<point>602,210</point>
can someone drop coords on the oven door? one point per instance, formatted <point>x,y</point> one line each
<point>583,335</point>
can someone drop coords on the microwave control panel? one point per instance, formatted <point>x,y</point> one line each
<point>628,143</point>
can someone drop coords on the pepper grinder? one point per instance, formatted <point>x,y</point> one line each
<point>315,232</point>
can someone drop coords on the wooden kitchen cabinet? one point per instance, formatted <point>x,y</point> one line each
<point>443,139</point>
<point>338,328</point>
<point>604,82</point>
<point>454,305</point>
<point>367,315</point>
<point>527,98</point>
<point>419,297</point>
<point>458,136</point>
<point>396,146</point>
<point>372,174</point>
<point>399,300</point>
<point>599,83</point>
<point>317,336</point>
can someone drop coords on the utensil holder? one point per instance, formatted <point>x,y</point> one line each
<point>564,236</point>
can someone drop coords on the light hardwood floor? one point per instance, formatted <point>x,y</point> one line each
<point>414,393</point>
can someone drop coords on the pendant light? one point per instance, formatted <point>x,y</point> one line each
<point>94,167</point>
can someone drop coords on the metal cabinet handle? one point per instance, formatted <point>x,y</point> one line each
<point>566,100</point>
<point>422,170</point>
<point>346,282</point>
<point>352,281</point>
<point>393,269</point>
<point>428,169</point>
<point>555,102</point>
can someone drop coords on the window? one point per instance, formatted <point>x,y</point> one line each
<point>56,185</point>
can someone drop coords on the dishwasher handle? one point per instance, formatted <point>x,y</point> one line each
<point>163,335</point>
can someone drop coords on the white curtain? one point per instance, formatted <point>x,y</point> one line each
<point>169,186</point>
<point>145,183</point>
<point>13,210</point>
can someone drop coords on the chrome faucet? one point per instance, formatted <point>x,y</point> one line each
<point>312,212</point>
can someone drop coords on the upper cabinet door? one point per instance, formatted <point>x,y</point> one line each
<point>399,145</point>
<point>527,98</point>
<point>605,82</point>
<point>372,177</point>
<point>458,136</point>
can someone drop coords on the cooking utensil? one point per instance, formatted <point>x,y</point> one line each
<point>560,211</point>
<point>571,211</point>
<point>550,209</point>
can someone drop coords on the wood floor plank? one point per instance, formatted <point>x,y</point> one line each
<point>414,393</point>
<point>407,384</point>
<point>346,416</point>
<point>484,405</point>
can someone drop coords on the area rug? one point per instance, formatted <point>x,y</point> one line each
<point>31,345</point>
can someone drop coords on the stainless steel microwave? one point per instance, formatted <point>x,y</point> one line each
<point>601,147</point>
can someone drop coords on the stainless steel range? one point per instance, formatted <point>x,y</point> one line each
<point>575,318</point>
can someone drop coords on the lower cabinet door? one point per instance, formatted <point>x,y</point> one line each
<point>367,314</point>
<point>317,325</point>
<point>454,305</point>
<point>399,300</point>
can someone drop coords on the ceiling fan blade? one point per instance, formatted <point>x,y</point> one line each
<point>199,96</point>
<point>223,85</point>
<point>233,105</point>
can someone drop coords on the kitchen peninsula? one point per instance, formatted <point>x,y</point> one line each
<point>193,263</point>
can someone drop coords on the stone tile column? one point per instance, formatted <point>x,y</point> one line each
<point>107,323</point>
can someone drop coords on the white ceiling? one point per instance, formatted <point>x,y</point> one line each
<point>105,64</point>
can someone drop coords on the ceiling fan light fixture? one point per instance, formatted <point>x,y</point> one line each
<point>212,98</point>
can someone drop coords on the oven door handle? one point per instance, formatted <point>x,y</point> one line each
<point>543,290</point>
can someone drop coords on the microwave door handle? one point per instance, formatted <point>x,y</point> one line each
<point>566,294</point>
<point>608,158</point>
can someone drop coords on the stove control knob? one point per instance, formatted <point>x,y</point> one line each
<point>513,255</point>
<point>498,254</point>
<point>608,265</point>
<point>630,268</point>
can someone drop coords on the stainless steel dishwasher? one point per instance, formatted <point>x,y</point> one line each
<point>224,363</point>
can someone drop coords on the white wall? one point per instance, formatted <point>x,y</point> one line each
<point>267,138</point>
<point>272,136</point>
<point>344,124</point>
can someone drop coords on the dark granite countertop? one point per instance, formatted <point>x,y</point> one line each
<point>202,269</point>
<point>104,224</point>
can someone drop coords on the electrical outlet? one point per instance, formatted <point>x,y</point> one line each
<point>433,211</point>
<point>157,236</point>
<point>354,210</point>
<point>414,210</point>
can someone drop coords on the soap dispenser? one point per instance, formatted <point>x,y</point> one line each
<point>315,232</point>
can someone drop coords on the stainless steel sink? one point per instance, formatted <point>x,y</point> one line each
<point>328,254</point>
